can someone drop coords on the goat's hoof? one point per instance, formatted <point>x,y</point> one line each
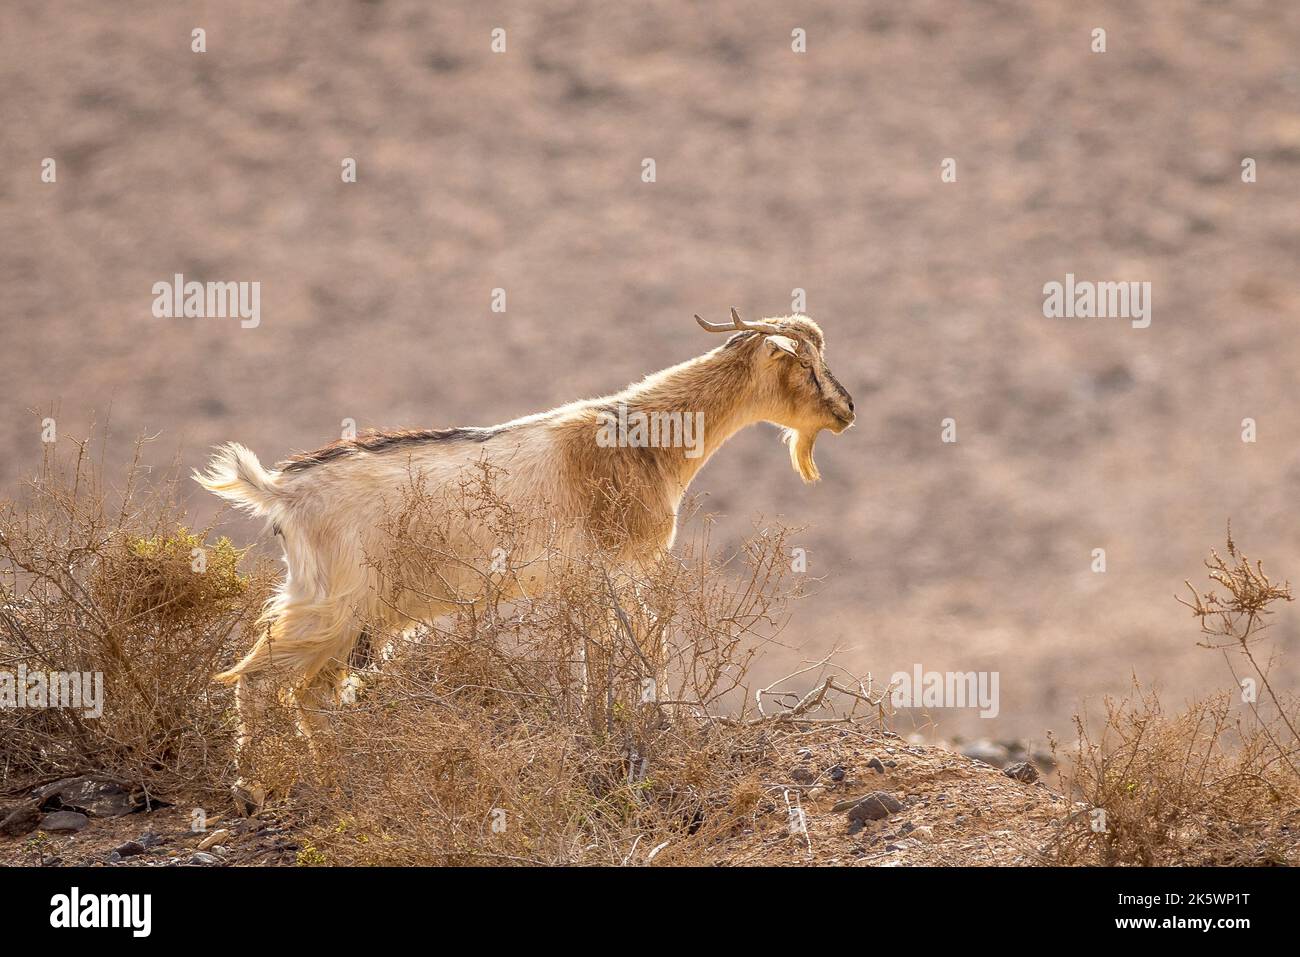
<point>249,797</point>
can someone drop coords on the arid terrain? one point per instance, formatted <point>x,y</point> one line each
<point>775,171</point>
<point>949,810</point>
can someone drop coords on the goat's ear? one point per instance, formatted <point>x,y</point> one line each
<point>785,344</point>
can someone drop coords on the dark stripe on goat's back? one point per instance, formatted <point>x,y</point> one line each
<point>381,441</point>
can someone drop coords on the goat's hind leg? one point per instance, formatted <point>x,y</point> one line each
<point>250,702</point>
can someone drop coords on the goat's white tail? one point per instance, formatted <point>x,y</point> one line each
<point>237,476</point>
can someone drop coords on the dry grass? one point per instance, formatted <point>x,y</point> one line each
<point>1215,784</point>
<point>89,586</point>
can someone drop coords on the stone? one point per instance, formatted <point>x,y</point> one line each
<point>129,849</point>
<point>1023,771</point>
<point>20,820</point>
<point>64,822</point>
<point>91,795</point>
<point>216,837</point>
<point>875,807</point>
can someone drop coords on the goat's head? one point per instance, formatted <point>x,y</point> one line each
<point>790,381</point>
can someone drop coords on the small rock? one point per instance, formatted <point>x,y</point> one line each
<point>150,839</point>
<point>1023,771</point>
<point>129,849</point>
<point>924,831</point>
<point>892,847</point>
<point>216,837</point>
<point>803,775</point>
<point>907,828</point>
<point>817,791</point>
<point>876,766</point>
<point>204,859</point>
<point>804,753</point>
<point>20,820</point>
<point>64,822</point>
<point>836,773</point>
<point>875,807</point>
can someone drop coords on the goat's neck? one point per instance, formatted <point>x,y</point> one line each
<point>718,385</point>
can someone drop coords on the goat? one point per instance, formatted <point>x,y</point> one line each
<point>328,505</point>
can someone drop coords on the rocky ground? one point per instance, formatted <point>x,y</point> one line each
<point>844,797</point>
<point>93,822</point>
<point>872,798</point>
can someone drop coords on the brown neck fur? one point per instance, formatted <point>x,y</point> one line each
<point>718,383</point>
<point>637,490</point>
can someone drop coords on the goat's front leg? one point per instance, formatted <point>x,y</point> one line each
<point>646,642</point>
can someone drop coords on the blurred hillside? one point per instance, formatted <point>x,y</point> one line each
<point>775,171</point>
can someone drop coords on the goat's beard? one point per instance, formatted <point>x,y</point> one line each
<point>801,453</point>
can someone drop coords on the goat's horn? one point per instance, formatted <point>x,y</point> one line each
<point>736,323</point>
<point>752,326</point>
<point>714,326</point>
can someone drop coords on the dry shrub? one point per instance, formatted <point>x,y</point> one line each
<point>1216,784</point>
<point>477,743</point>
<point>94,580</point>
